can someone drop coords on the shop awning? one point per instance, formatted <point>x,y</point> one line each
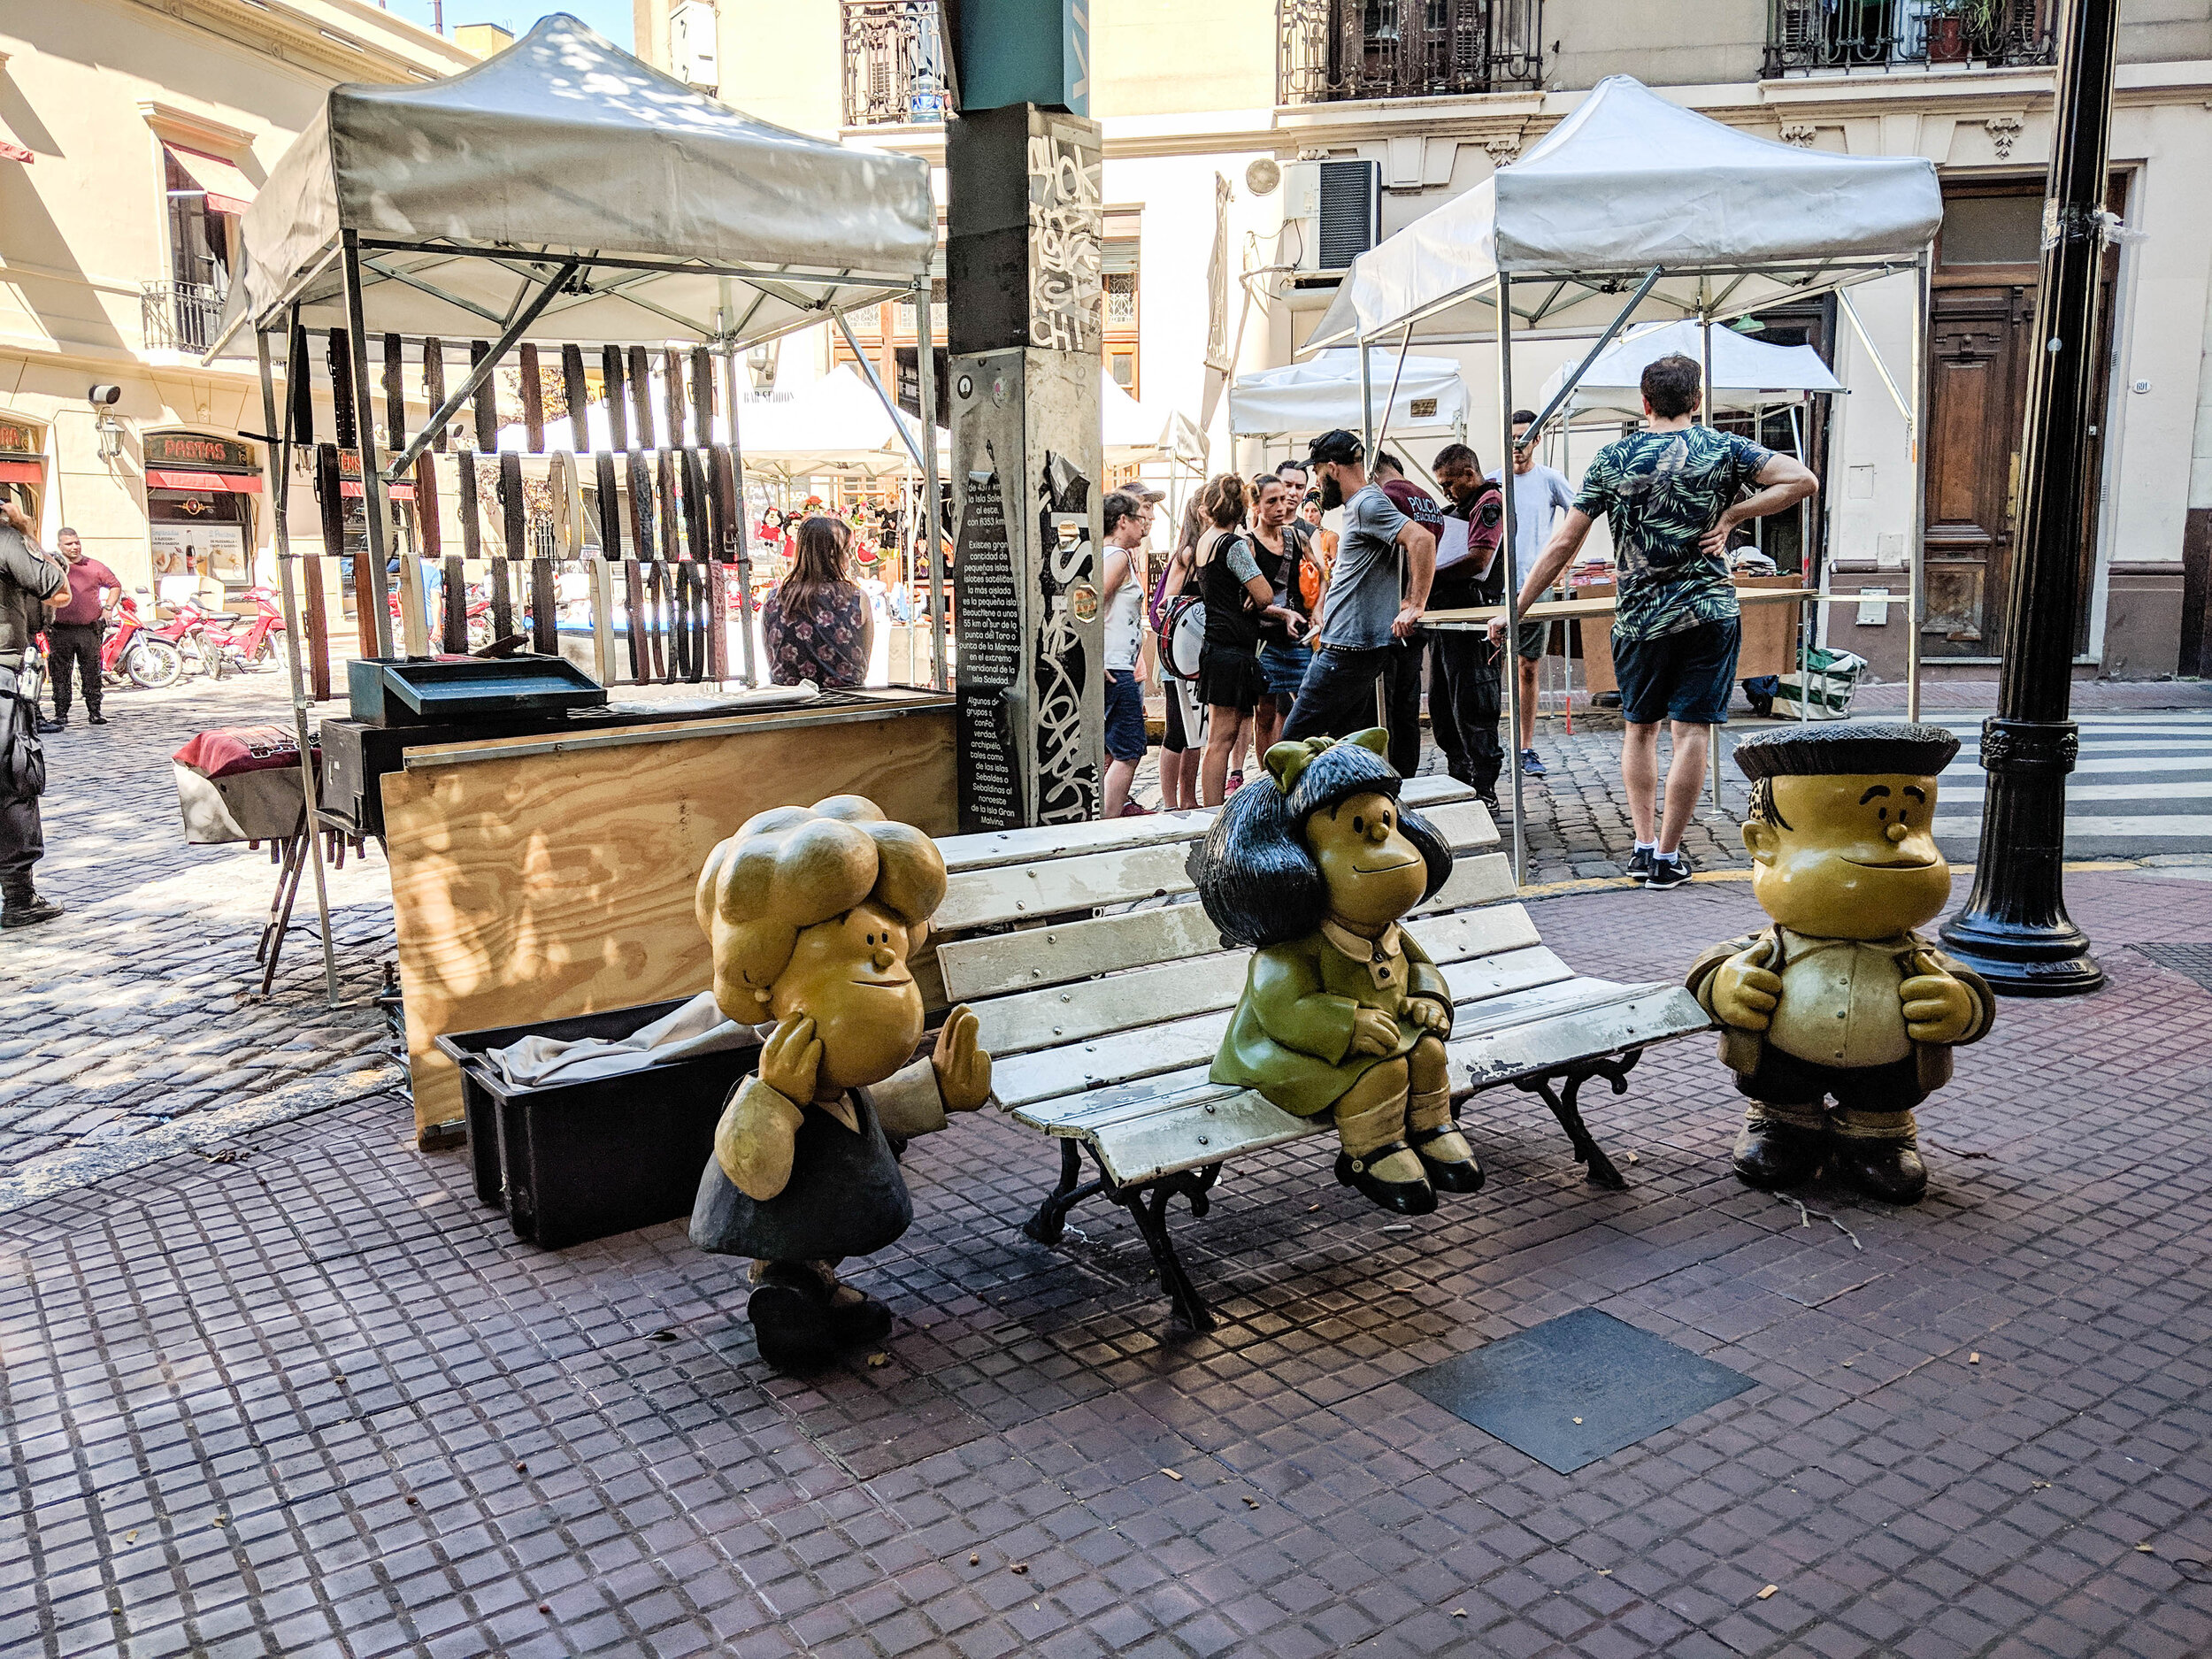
<point>22,472</point>
<point>228,191</point>
<point>401,490</point>
<point>220,483</point>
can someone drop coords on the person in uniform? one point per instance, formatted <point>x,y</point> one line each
<point>1841,999</point>
<point>32,583</point>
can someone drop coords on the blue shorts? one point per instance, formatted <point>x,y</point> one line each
<point>1688,676</point>
<point>1125,716</point>
<point>1285,666</point>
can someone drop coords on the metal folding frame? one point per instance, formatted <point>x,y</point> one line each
<point>1572,288</point>
<point>544,277</point>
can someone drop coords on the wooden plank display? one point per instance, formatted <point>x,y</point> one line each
<point>610,504</point>
<point>616,397</point>
<point>299,397</point>
<point>395,397</point>
<point>434,385</point>
<point>672,397</point>
<point>486,402</point>
<point>643,622</point>
<point>642,397</point>
<point>299,389</point>
<point>339,355</point>
<point>546,884</point>
<point>532,399</point>
<point>701,395</point>
<point>578,396</point>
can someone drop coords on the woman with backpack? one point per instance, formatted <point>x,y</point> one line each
<point>1283,546</point>
<point>1239,601</point>
<point>1185,735</point>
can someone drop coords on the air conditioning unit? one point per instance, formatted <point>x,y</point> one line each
<point>1332,212</point>
<point>691,44</point>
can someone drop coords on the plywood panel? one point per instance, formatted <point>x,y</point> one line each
<point>544,885</point>
<point>1769,634</point>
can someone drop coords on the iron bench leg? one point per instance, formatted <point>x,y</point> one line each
<point>1147,1204</point>
<point>1051,1221</point>
<point>1601,1172</point>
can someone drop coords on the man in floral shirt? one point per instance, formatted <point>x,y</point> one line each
<point>1670,495</point>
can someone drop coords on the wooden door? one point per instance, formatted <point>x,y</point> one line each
<point>1977,384</point>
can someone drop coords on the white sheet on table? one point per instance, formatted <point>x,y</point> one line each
<point>698,1027</point>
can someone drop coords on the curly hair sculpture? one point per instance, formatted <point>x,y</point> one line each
<point>792,867</point>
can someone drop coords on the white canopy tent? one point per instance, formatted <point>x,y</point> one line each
<point>1323,393</point>
<point>562,191</point>
<point>1633,195</point>
<point>1748,373</point>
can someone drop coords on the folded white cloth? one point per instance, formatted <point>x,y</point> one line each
<point>698,1027</point>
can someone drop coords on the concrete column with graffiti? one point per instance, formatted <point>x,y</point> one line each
<point>1022,262</point>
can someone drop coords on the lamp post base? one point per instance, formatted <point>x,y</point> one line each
<point>2015,931</point>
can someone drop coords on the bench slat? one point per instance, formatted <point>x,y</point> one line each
<point>1035,892</point>
<point>1148,1137</point>
<point>965,852</point>
<point>1037,1019</point>
<point>1484,880</point>
<point>1165,1043</point>
<point>1054,955</point>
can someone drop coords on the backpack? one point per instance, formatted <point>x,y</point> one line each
<point>22,756</point>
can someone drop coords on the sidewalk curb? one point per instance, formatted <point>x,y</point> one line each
<point>2150,863</point>
<point>89,1162</point>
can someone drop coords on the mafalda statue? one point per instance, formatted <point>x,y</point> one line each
<point>1342,1012</point>
<point>813,913</point>
<point>1841,999</point>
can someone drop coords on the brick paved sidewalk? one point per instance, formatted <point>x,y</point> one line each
<point>316,1401</point>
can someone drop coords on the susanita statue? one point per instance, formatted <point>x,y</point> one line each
<point>813,913</point>
<point>1841,999</point>
<point>1342,1012</point>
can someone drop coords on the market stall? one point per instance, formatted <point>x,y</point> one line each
<point>1303,400</point>
<point>562,197</point>
<point>1635,208</point>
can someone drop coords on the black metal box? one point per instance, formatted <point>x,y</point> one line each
<point>431,691</point>
<point>574,1161</point>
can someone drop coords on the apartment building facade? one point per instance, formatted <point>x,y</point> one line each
<point>1205,109</point>
<point>132,136</point>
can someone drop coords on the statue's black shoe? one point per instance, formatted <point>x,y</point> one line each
<point>792,1325</point>
<point>1770,1155</point>
<point>1888,1170</point>
<point>1406,1198</point>
<point>857,1319</point>
<point>1463,1176</point>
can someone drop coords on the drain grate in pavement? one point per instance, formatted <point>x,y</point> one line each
<point>2193,960</point>
<point>1577,1388</point>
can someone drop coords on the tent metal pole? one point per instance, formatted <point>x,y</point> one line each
<point>373,512</point>
<point>1705,418</point>
<point>1889,384</point>
<point>926,375</point>
<point>1367,455</point>
<point>1619,322</point>
<point>875,383</point>
<point>1405,344</point>
<point>478,373</point>
<point>1917,550</point>
<point>281,494</point>
<point>1510,658</point>
<point>742,564</point>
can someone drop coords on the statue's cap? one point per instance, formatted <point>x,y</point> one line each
<point>1851,749</point>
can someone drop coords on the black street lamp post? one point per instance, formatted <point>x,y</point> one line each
<point>2014,930</point>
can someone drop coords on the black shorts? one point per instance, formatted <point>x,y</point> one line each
<point>1688,676</point>
<point>1230,676</point>
<point>1124,715</point>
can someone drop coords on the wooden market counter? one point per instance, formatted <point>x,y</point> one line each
<point>539,877</point>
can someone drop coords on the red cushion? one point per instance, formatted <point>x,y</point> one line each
<point>232,749</point>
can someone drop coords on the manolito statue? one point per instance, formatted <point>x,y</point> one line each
<point>1842,1000</point>
<point>1342,1012</point>
<point>814,913</point>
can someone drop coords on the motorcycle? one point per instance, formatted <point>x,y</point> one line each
<point>246,643</point>
<point>131,652</point>
<point>202,646</point>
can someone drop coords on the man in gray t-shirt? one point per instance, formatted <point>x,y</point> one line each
<point>1368,612</point>
<point>32,585</point>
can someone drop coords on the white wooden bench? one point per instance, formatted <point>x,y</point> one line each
<point>1103,991</point>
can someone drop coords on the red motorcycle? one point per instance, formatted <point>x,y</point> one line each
<point>478,616</point>
<point>201,638</point>
<point>133,652</point>
<point>246,642</point>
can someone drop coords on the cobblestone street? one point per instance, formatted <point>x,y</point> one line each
<point>287,1388</point>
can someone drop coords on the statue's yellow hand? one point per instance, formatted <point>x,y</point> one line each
<point>1745,992</point>
<point>1937,1008</point>
<point>963,1069</point>
<point>1374,1031</point>
<point>790,1060</point>
<point>1430,1015</point>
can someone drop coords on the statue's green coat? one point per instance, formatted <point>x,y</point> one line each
<point>1291,1037</point>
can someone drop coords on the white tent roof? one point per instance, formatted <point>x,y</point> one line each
<point>1322,393</point>
<point>1747,371</point>
<point>1628,181</point>
<point>565,145</point>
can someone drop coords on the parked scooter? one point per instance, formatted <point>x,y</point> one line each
<point>131,652</point>
<point>245,642</point>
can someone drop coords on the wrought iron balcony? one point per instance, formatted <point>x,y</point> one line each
<point>178,316</point>
<point>1331,50</point>
<point>1812,36</point>
<point>893,63</point>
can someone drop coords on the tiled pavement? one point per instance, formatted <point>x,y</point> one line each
<point>315,1401</point>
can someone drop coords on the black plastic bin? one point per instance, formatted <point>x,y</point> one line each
<point>572,1162</point>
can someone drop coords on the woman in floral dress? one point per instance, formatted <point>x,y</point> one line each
<point>818,624</point>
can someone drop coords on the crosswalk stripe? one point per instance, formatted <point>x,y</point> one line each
<point>2182,789</point>
<point>2161,827</point>
<point>1965,763</point>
